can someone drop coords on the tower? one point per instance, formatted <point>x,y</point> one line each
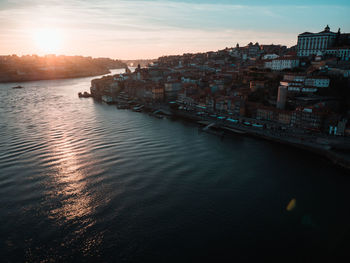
<point>282,97</point>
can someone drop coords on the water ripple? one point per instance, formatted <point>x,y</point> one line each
<point>83,180</point>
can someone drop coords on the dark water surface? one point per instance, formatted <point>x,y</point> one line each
<point>83,181</point>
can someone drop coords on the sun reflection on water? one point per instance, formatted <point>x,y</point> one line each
<point>69,184</point>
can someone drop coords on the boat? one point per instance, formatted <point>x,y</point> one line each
<point>213,130</point>
<point>232,120</point>
<point>108,99</point>
<point>157,113</point>
<point>205,123</point>
<point>233,130</point>
<point>84,95</point>
<point>18,87</point>
<point>159,116</point>
<point>138,108</point>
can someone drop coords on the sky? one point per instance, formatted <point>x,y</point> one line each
<point>128,29</point>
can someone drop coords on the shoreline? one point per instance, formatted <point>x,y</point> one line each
<point>95,74</point>
<point>336,158</point>
<point>321,149</point>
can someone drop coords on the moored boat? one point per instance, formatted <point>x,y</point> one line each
<point>84,95</point>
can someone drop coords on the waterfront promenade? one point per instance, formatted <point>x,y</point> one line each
<point>335,148</point>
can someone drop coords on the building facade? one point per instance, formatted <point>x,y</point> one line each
<point>340,52</point>
<point>300,83</point>
<point>317,81</point>
<point>329,43</point>
<point>311,43</point>
<point>282,63</point>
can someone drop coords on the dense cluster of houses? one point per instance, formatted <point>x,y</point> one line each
<point>267,82</point>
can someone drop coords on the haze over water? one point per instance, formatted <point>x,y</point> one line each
<point>81,180</point>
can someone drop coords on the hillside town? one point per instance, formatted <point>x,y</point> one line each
<point>299,93</point>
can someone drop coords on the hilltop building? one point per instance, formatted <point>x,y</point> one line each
<point>327,42</point>
<point>310,43</point>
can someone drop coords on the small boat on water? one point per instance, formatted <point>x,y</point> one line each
<point>157,115</point>
<point>18,87</point>
<point>233,130</point>
<point>84,95</point>
<point>138,108</point>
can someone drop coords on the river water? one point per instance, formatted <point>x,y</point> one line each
<point>83,181</point>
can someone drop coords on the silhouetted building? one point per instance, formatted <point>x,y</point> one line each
<point>282,97</point>
<point>311,43</point>
<point>326,42</point>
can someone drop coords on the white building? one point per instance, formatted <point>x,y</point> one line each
<point>311,43</point>
<point>270,56</point>
<point>317,81</point>
<point>282,63</point>
<point>300,83</point>
<point>293,86</point>
<point>297,77</point>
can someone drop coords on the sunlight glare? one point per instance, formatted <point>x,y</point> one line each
<point>48,40</point>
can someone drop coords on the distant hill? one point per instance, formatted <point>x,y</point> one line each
<point>32,67</point>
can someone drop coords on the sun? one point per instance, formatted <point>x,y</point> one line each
<point>48,40</point>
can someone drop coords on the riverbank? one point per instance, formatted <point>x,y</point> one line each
<point>51,76</point>
<point>306,142</point>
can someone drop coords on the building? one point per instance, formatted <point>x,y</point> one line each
<point>253,49</point>
<point>307,118</point>
<point>292,86</point>
<point>317,81</point>
<point>328,43</point>
<point>157,93</point>
<point>301,83</point>
<point>342,53</point>
<point>272,114</point>
<point>282,97</point>
<point>270,56</point>
<point>265,113</point>
<point>171,89</point>
<point>273,49</point>
<point>297,77</point>
<point>282,63</point>
<point>311,43</point>
<point>107,87</point>
<point>236,105</point>
<point>256,84</point>
<point>284,117</point>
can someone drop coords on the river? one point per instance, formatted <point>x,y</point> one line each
<point>83,181</point>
